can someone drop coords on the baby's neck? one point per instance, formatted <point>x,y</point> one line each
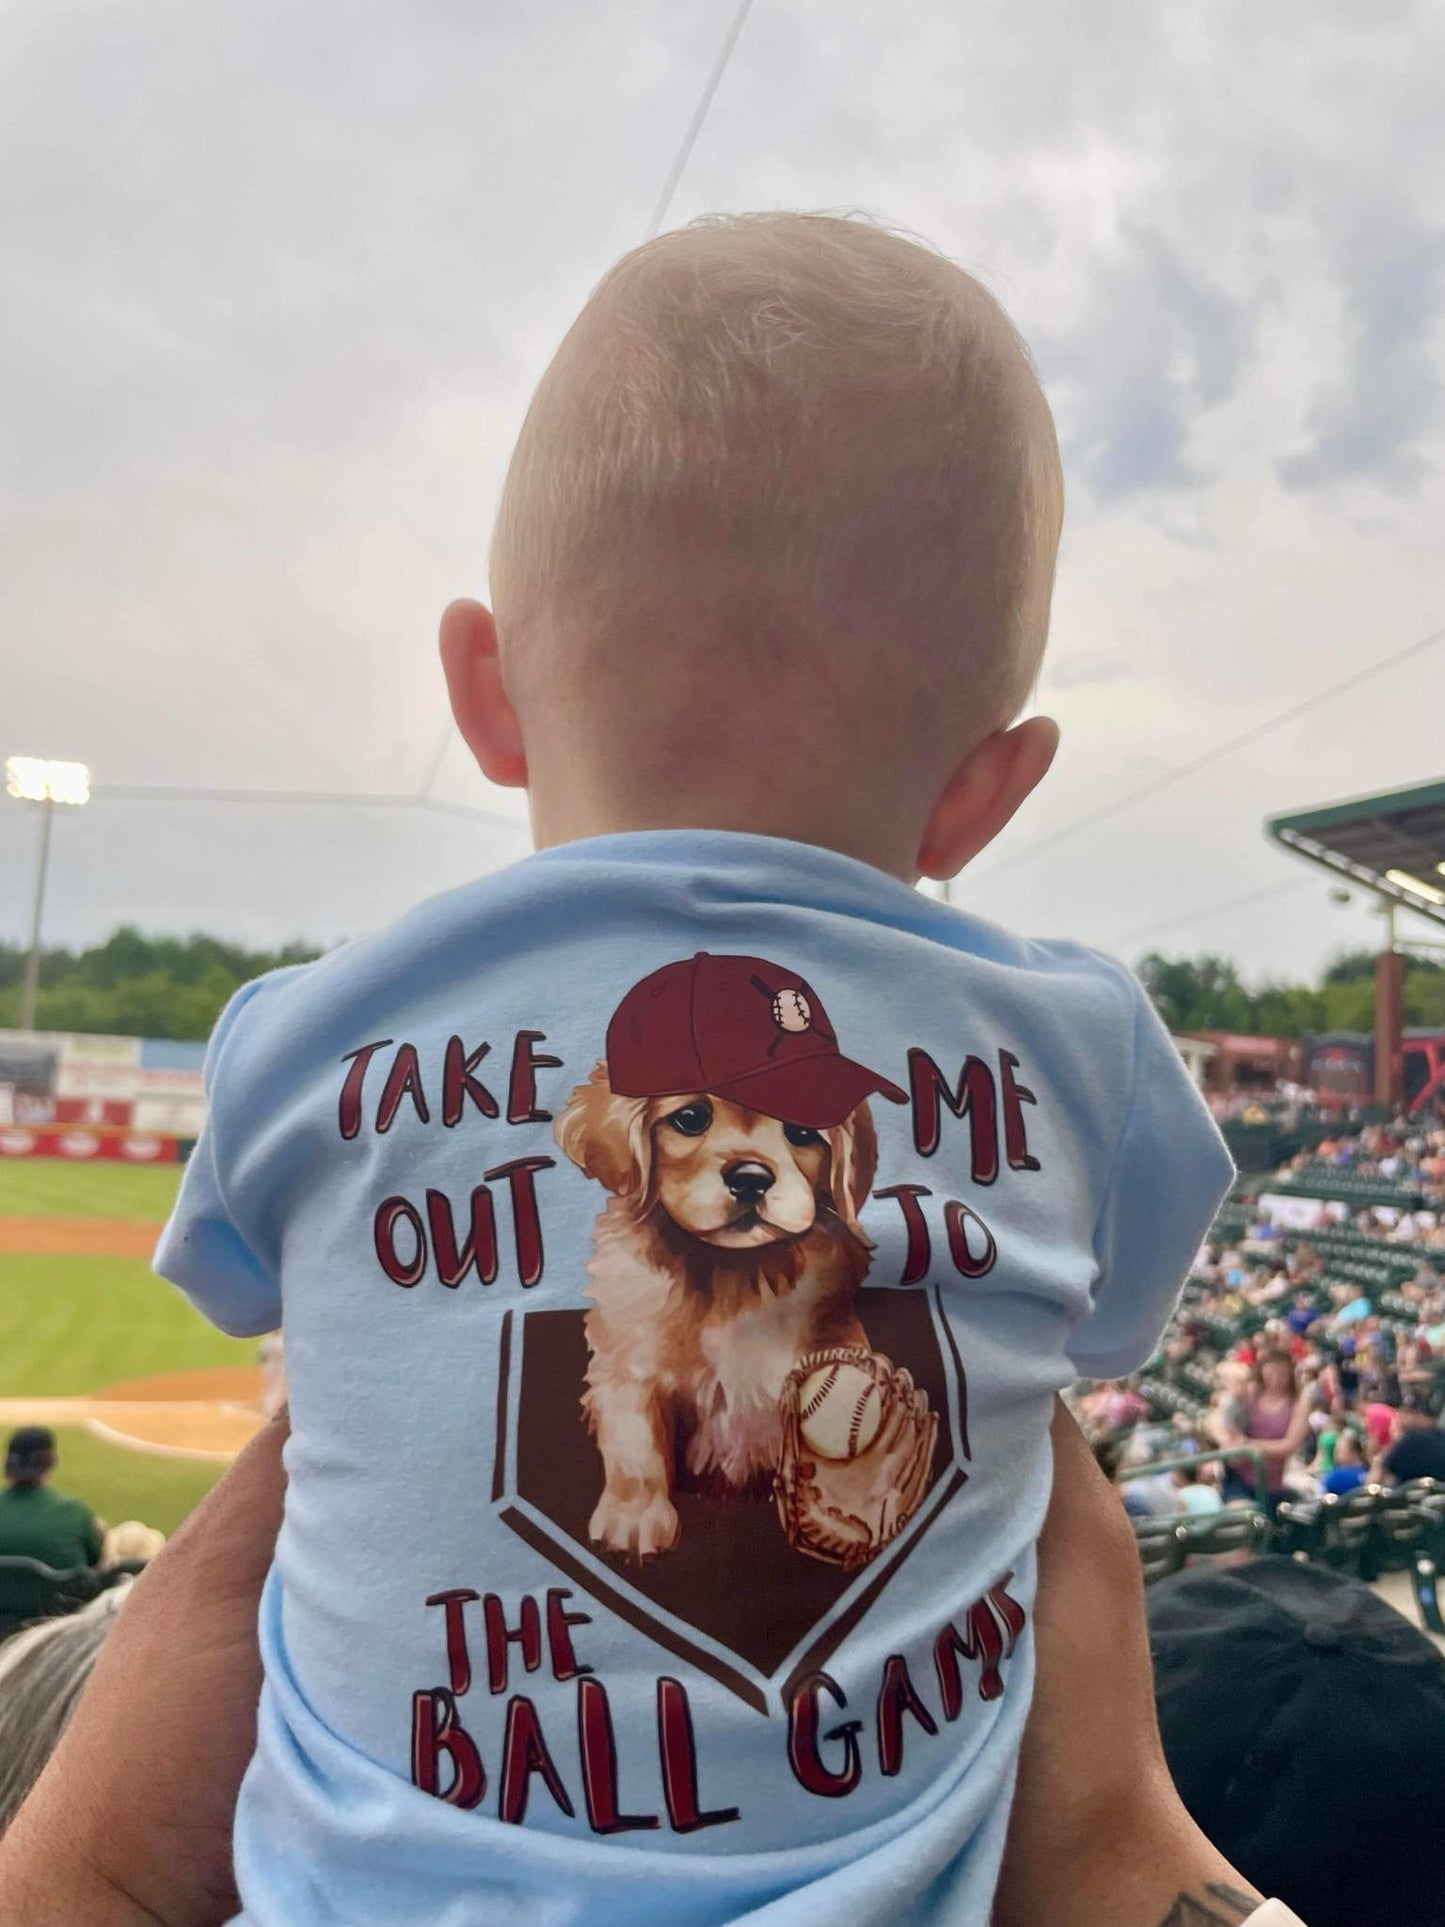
<point>851,830</point>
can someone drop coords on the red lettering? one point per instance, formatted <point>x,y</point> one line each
<point>1015,1138</point>
<point>458,1084</point>
<point>949,1646</point>
<point>524,1752</point>
<point>459,1660</point>
<point>974,1098</point>
<point>956,1218</point>
<point>993,1626</point>
<point>565,1664</point>
<point>405,1272</point>
<point>920,1255</point>
<point>987,1642</point>
<point>526,1223</point>
<point>402,1080</point>
<point>597,1744</point>
<point>435,1729</point>
<point>678,1752</point>
<point>528,1636</point>
<point>480,1248</point>
<point>1009,1611</point>
<point>897,1695</point>
<point>522,1086</point>
<point>349,1109</point>
<point>804,1757</point>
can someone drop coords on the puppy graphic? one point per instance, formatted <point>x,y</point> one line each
<point>738,1147</point>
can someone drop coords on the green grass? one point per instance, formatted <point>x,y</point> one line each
<point>73,1325</point>
<point>56,1188</point>
<point>117,1483</point>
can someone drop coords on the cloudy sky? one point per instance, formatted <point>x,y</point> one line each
<point>279,280</point>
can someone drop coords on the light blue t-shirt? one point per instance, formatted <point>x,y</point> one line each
<point>681,1238</point>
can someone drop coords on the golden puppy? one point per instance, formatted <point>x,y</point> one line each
<point>730,1248</point>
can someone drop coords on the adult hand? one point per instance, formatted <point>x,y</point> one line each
<point>1098,1836</point>
<point>130,1823</point>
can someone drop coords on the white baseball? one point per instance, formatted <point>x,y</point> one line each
<point>840,1410</point>
<point>792,1011</point>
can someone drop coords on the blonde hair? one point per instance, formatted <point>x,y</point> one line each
<point>131,1540</point>
<point>786,430</point>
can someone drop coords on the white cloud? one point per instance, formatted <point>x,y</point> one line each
<point>279,281</point>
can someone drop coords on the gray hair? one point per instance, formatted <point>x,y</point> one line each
<point>43,1671</point>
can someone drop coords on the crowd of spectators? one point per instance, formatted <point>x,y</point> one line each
<point>1311,1336</point>
<point>1411,1159</point>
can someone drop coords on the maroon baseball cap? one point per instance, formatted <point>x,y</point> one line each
<point>740,1028</point>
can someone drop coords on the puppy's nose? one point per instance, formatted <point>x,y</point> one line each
<point>749,1181</point>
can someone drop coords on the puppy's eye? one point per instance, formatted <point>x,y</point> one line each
<point>800,1134</point>
<point>692,1120</point>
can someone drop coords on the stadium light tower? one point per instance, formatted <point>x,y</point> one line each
<point>32,779</point>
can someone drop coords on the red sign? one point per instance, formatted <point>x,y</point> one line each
<point>128,1147</point>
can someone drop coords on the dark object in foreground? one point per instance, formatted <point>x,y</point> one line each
<point>1282,1689</point>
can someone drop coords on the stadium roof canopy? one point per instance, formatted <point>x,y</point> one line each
<point>1393,844</point>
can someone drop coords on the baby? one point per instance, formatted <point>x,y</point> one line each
<point>682,1235</point>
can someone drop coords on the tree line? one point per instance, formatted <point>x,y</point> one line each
<point>1207,993</point>
<point>134,985</point>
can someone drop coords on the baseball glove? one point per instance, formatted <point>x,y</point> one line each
<point>842,1504</point>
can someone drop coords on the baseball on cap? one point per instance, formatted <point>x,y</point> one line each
<point>1283,1691</point>
<point>30,1452</point>
<point>739,1028</point>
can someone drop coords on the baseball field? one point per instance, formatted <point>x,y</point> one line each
<point>148,1401</point>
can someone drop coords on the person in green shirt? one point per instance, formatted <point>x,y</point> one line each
<point>37,1522</point>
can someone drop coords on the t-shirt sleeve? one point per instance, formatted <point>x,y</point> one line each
<point>203,1249</point>
<point>1170,1172</point>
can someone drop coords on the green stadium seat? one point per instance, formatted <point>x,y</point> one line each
<point>1424,1584</point>
<point>1233,1529</point>
<point>31,1590</point>
<point>1161,1544</point>
<point>1299,1528</point>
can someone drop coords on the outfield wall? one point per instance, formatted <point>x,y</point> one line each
<point>74,1095</point>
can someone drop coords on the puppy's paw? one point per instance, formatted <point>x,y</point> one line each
<point>645,1525</point>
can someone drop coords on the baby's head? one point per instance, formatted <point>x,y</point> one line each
<point>775,553</point>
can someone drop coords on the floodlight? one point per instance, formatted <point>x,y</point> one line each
<point>35,779</point>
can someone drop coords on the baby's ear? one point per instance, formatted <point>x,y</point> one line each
<point>606,1136</point>
<point>853,1146</point>
<point>983,793</point>
<point>481,706</point>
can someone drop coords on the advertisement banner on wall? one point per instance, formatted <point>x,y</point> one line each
<point>52,1079</point>
<point>81,1047</point>
<point>83,1146</point>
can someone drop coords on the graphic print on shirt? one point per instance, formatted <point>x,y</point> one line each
<point>737,1400</point>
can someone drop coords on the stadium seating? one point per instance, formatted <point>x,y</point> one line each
<point>1167,1544</point>
<point>1337,1184</point>
<point>1368,1532</point>
<point>1161,1547</point>
<point>31,1590</point>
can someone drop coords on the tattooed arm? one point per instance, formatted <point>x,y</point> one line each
<point>1098,1836</point>
<point>1220,1905</point>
